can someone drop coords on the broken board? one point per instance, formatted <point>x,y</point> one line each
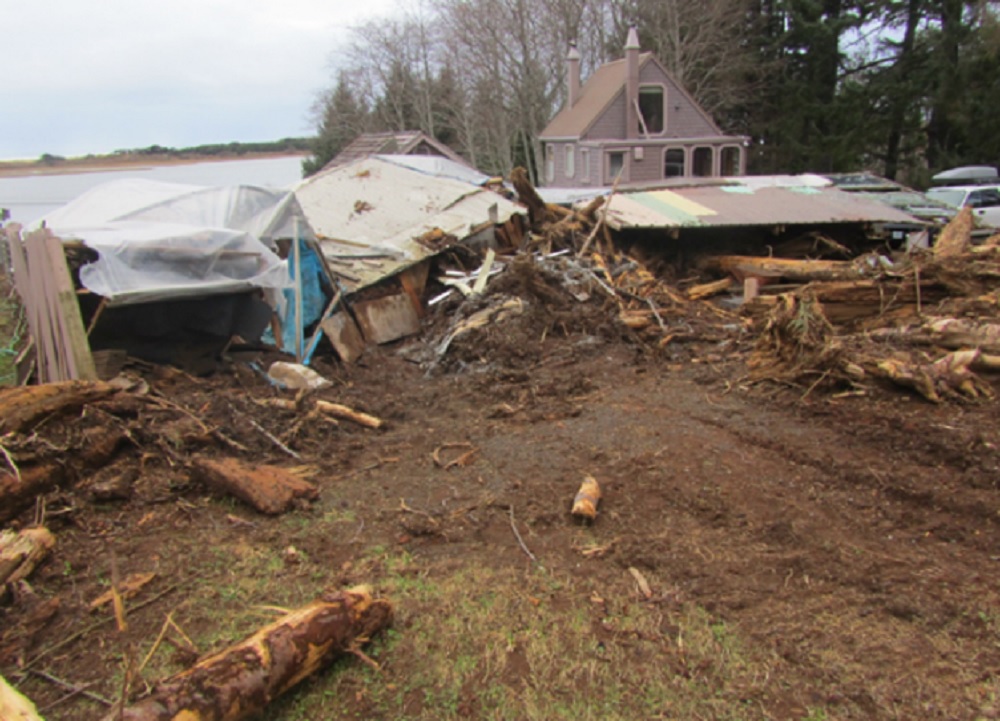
<point>344,336</point>
<point>387,319</point>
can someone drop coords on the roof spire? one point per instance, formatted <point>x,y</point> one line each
<point>632,43</point>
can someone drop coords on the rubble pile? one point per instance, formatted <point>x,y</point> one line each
<point>928,321</point>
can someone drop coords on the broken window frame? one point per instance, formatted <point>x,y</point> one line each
<point>550,163</point>
<point>703,166</point>
<point>667,162</point>
<point>584,165</point>
<point>646,111</point>
<point>569,161</point>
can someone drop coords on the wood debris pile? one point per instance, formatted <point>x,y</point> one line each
<point>928,321</point>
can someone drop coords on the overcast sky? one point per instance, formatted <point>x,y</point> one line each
<point>80,77</point>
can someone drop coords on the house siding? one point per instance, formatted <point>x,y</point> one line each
<point>684,120</point>
<point>611,123</point>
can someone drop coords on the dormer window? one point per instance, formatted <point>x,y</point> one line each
<point>651,109</point>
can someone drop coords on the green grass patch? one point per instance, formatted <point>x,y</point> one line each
<point>491,643</point>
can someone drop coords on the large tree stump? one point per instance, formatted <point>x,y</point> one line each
<point>269,489</point>
<point>241,680</point>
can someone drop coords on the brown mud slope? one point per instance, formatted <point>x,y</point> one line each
<point>844,552</point>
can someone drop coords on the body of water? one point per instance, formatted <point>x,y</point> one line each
<point>28,198</point>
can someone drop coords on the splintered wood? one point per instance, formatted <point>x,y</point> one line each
<point>21,552</point>
<point>269,489</point>
<point>240,681</point>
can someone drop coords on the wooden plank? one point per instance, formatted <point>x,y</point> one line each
<point>387,319</point>
<point>344,336</point>
<point>414,280</point>
<point>74,333</point>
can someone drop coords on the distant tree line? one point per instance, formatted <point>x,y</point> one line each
<point>900,87</point>
<point>285,145</point>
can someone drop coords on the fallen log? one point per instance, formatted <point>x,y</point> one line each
<point>18,490</point>
<point>349,414</point>
<point>22,406</point>
<point>744,266</point>
<point>269,489</point>
<point>242,680</point>
<point>21,552</point>
<point>963,333</point>
<point>14,706</point>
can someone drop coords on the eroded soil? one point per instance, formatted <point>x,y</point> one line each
<point>849,544</point>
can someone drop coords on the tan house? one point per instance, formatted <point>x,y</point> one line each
<point>632,118</point>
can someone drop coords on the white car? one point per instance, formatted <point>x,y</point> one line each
<point>984,199</point>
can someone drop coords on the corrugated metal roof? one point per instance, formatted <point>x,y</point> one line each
<point>751,201</point>
<point>367,215</point>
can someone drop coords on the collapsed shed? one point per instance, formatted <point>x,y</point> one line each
<point>378,222</point>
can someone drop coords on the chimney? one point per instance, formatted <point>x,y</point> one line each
<point>573,74</point>
<point>632,85</point>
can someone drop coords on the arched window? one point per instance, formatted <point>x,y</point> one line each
<point>550,163</point>
<point>730,160</point>
<point>673,163</point>
<point>570,161</point>
<point>701,162</point>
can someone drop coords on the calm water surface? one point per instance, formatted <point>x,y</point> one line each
<point>31,197</point>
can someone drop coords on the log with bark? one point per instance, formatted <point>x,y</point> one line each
<point>18,489</point>
<point>22,551</point>
<point>269,489</point>
<point>744,266</point>
<point>22,406</point>
<point>242,680</point>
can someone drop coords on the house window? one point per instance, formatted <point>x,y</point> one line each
<point>585,165</point>
<point>570,162</point>
<point>730,161</point>
<point>651,109</point>
<point>673,163</point>
<point>550,164</point>
<point>701,162</point>
<point>616,165</point>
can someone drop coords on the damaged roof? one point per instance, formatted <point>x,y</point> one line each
<point>367,216</point>
<point>749,201</point>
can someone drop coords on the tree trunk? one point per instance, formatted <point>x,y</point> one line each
<point>242,680</point>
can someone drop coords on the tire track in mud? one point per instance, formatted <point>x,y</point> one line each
<point>841,565</point>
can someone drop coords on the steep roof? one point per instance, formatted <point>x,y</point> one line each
<point>393,143</point>
<point>600,90</point>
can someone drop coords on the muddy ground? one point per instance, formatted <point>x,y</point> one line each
<point>810,555</point>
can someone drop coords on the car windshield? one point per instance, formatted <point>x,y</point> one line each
<point>948,195</point>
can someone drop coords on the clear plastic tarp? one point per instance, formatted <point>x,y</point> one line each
<point>161,241</point>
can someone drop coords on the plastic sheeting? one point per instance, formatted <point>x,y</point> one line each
<point>162,241</point>
<point>142,262</point>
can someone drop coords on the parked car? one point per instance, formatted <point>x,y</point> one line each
<point>984,200</point>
